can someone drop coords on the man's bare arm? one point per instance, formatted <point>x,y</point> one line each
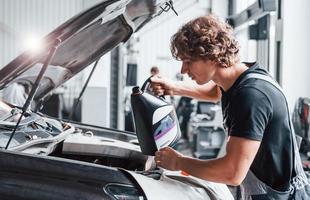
<point>209,91</point>
<point>230,169</point>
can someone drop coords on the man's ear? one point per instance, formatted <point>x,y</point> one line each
<point>216,64</point>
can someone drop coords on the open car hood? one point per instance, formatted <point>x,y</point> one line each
<point>84,39</point>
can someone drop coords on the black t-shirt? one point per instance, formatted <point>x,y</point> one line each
<point>257,110</point>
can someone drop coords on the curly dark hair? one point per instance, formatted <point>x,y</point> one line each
<point>207,38</point>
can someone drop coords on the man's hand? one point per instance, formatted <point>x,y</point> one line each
<point>209,91</point>
<point>162,86</point>
<point>168,158</point>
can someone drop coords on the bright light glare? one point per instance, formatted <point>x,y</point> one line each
<point>33,43</point>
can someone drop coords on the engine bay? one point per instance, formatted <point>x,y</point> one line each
<point>42,135</point>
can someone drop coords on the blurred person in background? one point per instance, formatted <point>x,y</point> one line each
<point>154,70</point>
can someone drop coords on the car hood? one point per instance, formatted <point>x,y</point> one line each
<point>84,39</point>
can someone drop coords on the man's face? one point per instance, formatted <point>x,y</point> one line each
<point>200,70</point>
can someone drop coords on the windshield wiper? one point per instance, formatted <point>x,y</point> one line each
<point>35,87</point>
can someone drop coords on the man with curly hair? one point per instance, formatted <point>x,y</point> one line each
<point>261,153</point>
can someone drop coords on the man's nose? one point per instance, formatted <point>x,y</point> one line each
<point>184,69</point>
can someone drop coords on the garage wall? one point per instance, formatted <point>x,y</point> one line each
<point>22,19</point>
<point>220,8</point>
<point>296,43</point>
<point>154,38</point>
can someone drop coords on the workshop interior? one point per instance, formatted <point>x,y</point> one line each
<point>79,118</point>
